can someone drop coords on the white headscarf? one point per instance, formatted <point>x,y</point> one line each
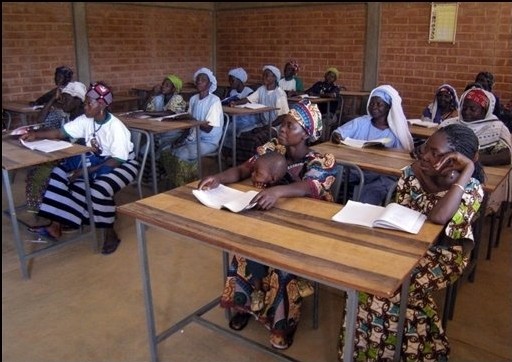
<point>274,70</point>
<point>239,73</point>
<point>211,77</point>
<point>455,100</point>
<point>75,89</point>
<point>396,117</point>
<point>489,130</point>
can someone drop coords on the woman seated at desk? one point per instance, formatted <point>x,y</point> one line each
<point>446,185</point>
<point>385,119</point>
<point>309,174</point>
<point>327,88</point>
<point>252,128</point>
<point>63,202</point>
<point>444,106</point>
<point>180,158</point>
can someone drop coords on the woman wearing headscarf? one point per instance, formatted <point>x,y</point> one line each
<point>327,88</point>
<point>166,97</point>
<point>444,106</point>
<point>290,82</point>
<point>237,78</point>
<point>62,77</point>
<point>310,174</point>
<point>385,119</point>
<point>477,112</point>
<point>252,128</point>
<point>64,200</point>
<point>180,160</point>
<point>71,105</point>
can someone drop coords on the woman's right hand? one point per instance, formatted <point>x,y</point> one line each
<point>209,182</point>
<point>336,138</point>
<point>29,136</point>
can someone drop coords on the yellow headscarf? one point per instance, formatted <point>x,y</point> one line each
<point>334,70</point>
<point>178,83</point>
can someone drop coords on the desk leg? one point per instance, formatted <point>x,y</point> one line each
<point>404,296</point>
<point>15,226</point>
<point>88,197</point>
<point>198,144</point>
<point>233,154</point>
<point>153,162</point>
<point>146,284</point>
<point>350,327</point>
<point>473,260</point>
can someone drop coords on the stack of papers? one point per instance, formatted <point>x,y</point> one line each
<point>46,145</point>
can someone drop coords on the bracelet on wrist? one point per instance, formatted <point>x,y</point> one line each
<point>459,186</point>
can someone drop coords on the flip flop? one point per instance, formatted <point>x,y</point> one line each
<point>239,321</point>
<point>110,246</point>
<point>42,232</point>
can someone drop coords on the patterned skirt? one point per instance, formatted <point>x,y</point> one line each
<point>281,313</point>
<point>424,338</point>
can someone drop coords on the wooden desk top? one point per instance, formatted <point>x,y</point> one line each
<point>421,132</point>
<point>19,107</point>
<point>233,111</point>
<point>348,93</point>
<point>119,99</point>
<point>386,161</point>
<point>157,126</point>
<point>391,162</point>
<point>313,100</point>
<point>16,156</point>
<point>291,237</point>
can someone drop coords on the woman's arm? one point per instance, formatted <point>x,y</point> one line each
<point>231,175</point>
<point>446,207</point>
<point>50,134</point>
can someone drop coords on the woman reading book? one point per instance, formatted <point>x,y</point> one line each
<point>308,174</point>
<point>385,120</point>
<point>445,184</point>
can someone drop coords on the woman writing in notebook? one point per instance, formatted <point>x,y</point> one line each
<point>309,174</point>
<point>445,184</point>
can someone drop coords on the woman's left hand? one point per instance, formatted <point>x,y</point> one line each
<point>266,199</point>
<point>453,161</point>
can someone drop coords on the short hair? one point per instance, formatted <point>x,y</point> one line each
<point>277,163</point>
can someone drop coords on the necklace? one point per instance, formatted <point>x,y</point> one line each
<point>97,129</point>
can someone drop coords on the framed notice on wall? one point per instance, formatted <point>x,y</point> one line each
<point>443,22</point>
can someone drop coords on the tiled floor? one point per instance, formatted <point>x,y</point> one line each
<point>80,306</point>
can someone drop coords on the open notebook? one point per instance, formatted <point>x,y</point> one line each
<point>226,197</point>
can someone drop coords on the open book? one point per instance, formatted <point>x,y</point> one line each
<point>46,145</point>
<point>419,122</point>
<point>226,197</point>
<point>362,143</point>
<point>393,216</point>
<point>251,105</point>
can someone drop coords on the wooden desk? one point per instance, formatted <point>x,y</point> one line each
<point>381,160</point>
<point>238,111</point>
<point>357,97</point>
<point>122,103</point>
<point>291,237</point>
<point>15,156</point>
<point>391,162</point>
<point>421,132</point>
<point>21,108</point>
<point>156,127</point>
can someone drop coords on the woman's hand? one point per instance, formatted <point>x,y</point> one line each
<point>29,136</point>
<point>209,182</point>
<point>266,199</point>
<point>454,161</point>
<point>336,138</point>
<point>73,175</point>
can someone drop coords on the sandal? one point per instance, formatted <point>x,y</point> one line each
<point>280,342</point>
<point>42,232</point>
<point>239,321</point>
<point>110,246</point>
<point>257,300</point>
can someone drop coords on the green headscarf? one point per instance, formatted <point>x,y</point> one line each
<point>178,83</point>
